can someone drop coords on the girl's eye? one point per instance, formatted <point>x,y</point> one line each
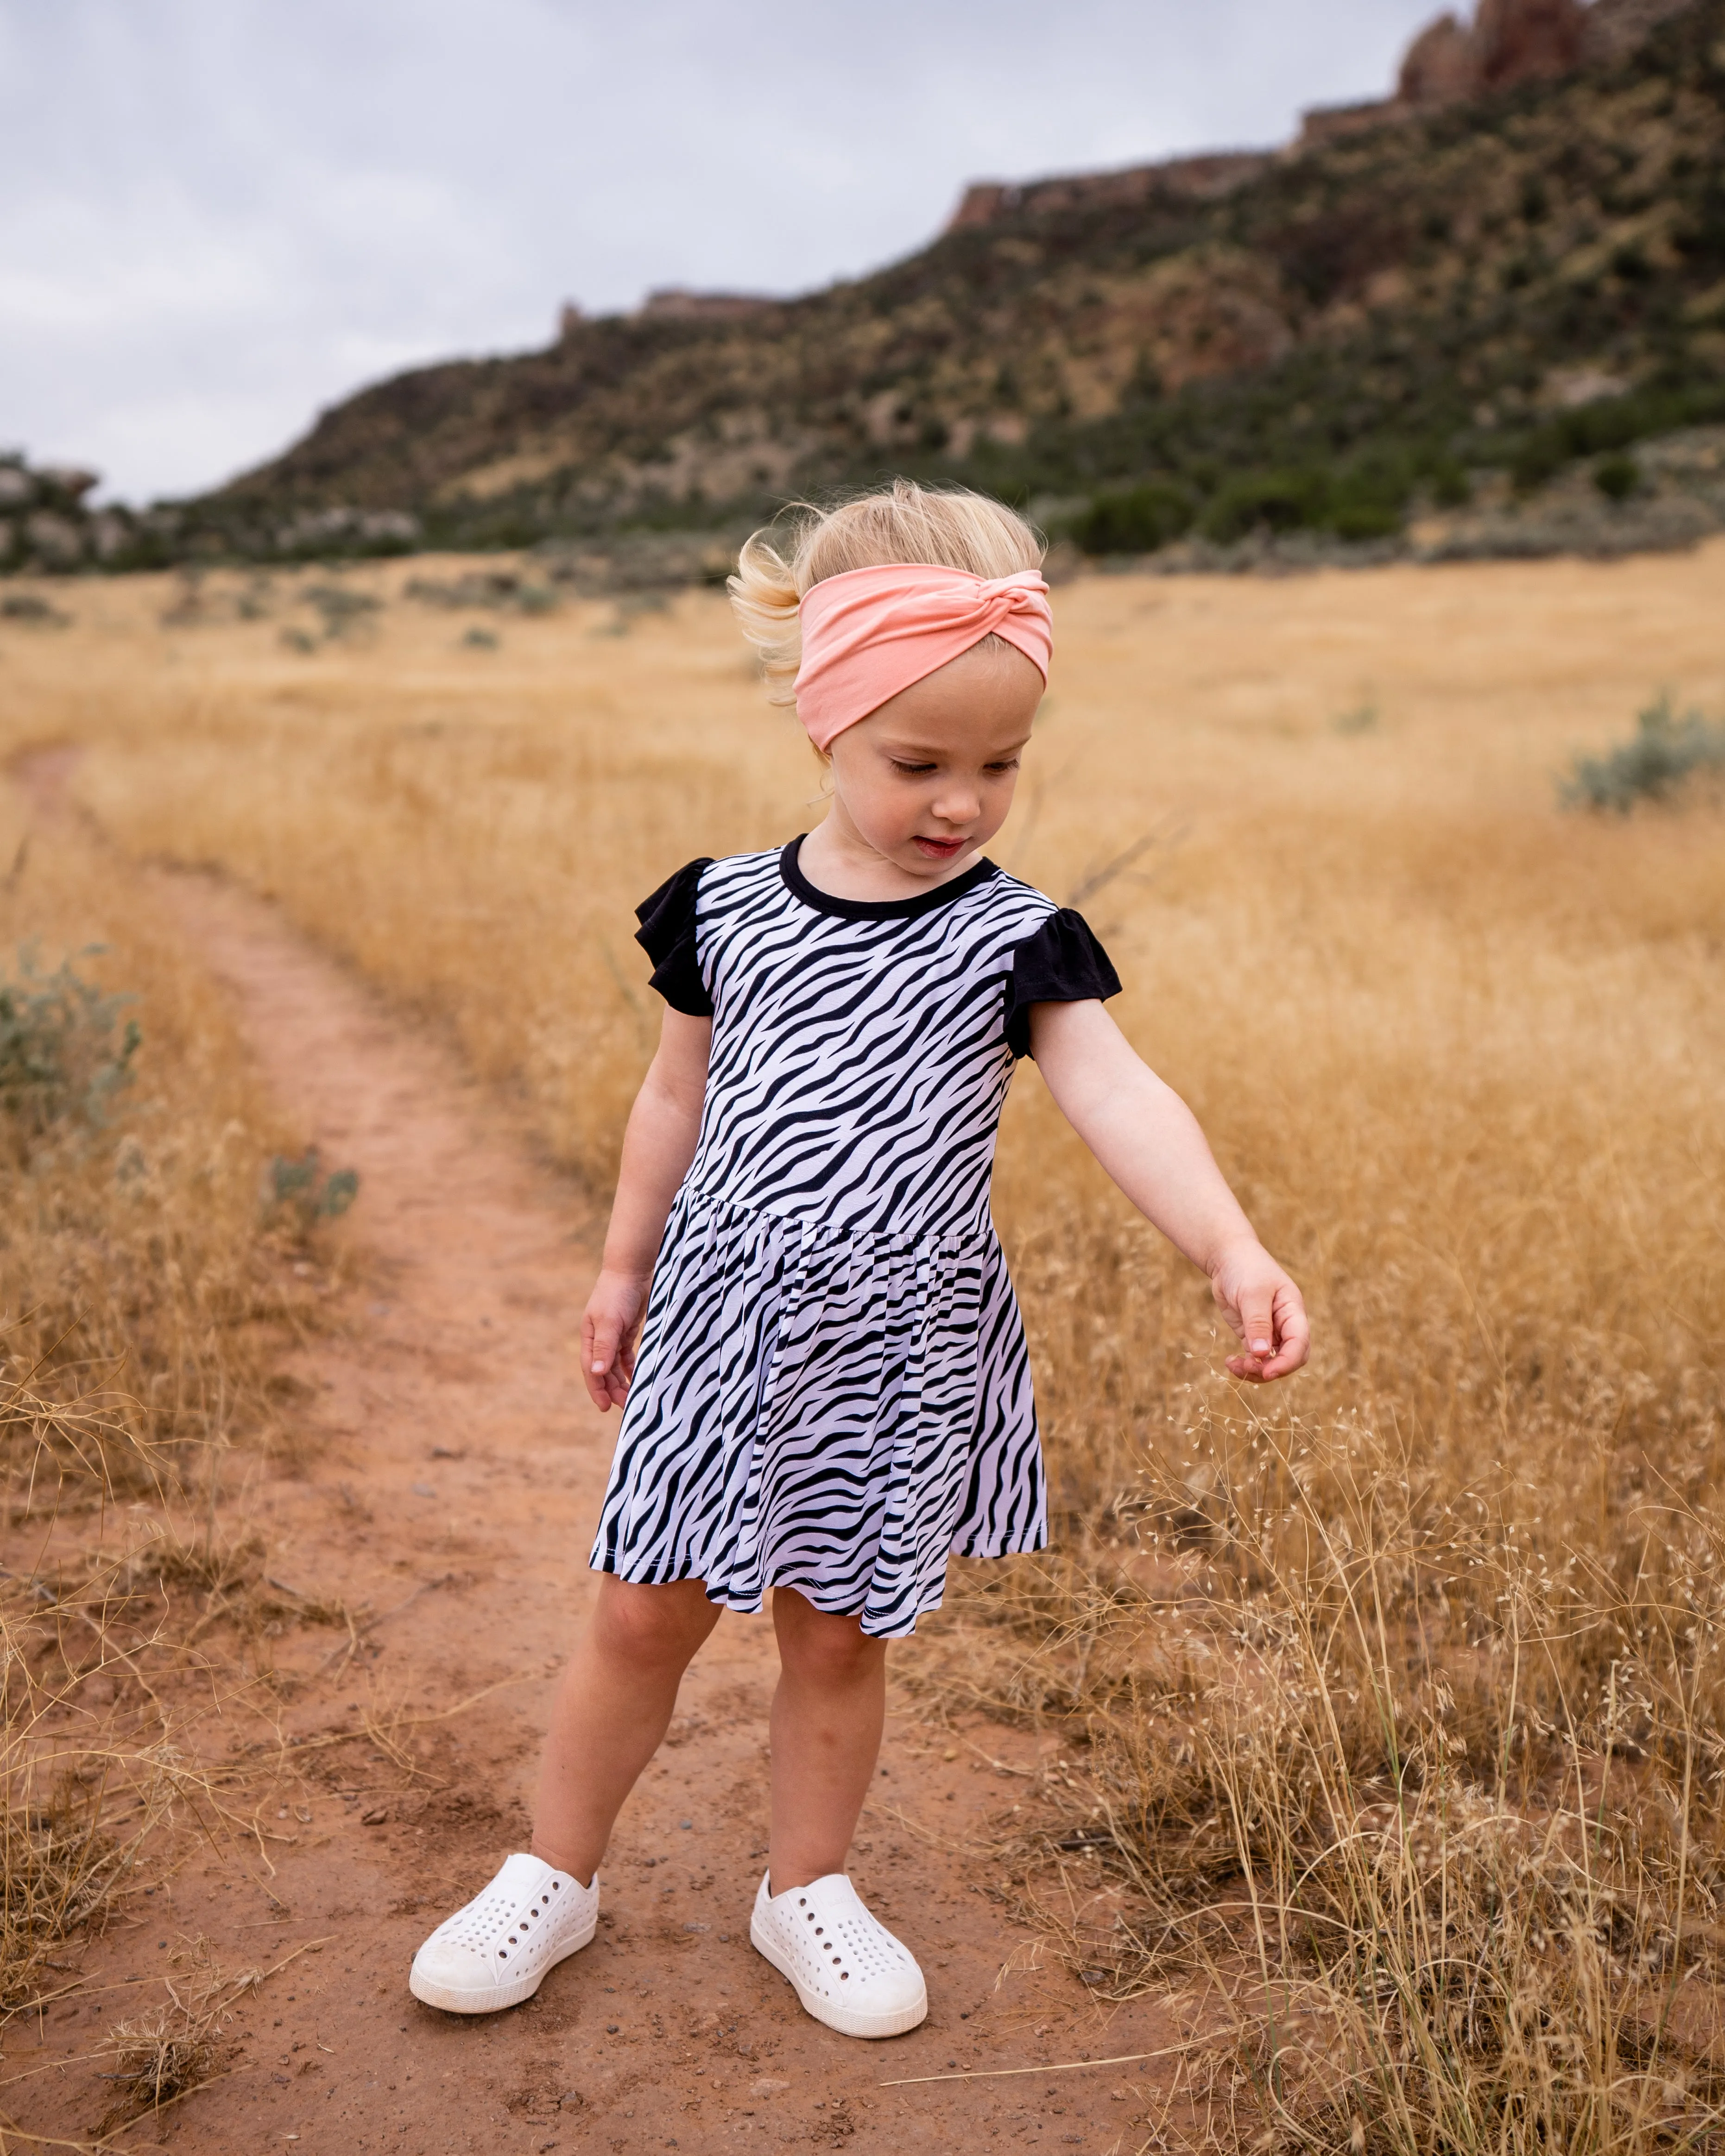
<point>1011,764</point>
<point>912,770</point>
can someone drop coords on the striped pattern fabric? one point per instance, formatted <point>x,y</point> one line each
<point>832,1392</point>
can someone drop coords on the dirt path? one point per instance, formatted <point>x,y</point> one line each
<point>450,1473</point>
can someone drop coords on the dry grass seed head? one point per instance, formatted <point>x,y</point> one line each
<point>169,2050</point>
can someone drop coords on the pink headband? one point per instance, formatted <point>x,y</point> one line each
<point>871,633</point>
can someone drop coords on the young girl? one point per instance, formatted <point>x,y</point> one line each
<point>832,1394</point>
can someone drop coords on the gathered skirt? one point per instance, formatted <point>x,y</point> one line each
<point>826,1409</point>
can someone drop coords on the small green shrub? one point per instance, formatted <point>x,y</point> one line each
<point>65,1050</point>
<point>498,588</point>
<point>1664,751</point>
<point>1617,476</point>
<point>1359,516</point>
<point>1276,500</point>
<point>305,1189</point>
<point>1538,460</point>
<point>1364,499</point>
<point>1369,496</point>
<point>1134,520</point>
<point>341,611</point>
<point>25,606</point>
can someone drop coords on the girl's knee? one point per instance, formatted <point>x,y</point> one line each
<point>651,1624</point>
<point>827,1650</point>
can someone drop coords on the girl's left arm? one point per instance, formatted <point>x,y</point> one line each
<point>1149,1142</point>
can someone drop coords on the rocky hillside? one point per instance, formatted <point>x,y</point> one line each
<point>45,524</point>
<point>1431,307</point>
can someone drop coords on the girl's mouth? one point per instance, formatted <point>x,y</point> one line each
<point>939,850</point>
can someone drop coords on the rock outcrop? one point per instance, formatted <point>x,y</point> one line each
<point>1527,40</point>
<point>1509,42</point>
<point>44,523</point>
<point>48,523</point>
<point>1205,178</point>
<point>1442,64</point>
<point>677,303</point>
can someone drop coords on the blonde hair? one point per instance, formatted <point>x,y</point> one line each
<point>946,528</point>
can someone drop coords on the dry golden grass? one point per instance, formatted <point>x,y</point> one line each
<point>143,1301</point>
<point>1391,1708</point>
<point>128,1257</point>
<point>166,2051</point>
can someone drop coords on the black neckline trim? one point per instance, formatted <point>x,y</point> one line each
<point>877,909</point>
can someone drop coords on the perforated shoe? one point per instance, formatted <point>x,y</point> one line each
<point>847,1967</point>
<point>497,1951</point>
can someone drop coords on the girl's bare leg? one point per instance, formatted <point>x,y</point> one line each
<point>828,1714</point>
<point>613,1708</point>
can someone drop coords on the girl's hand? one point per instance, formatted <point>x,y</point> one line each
<point>1265,1308</point>
<point>610,1327</point>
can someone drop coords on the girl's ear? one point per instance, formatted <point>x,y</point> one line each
<point>824,757</point>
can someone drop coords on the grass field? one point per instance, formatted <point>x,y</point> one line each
<point>144,1293</point>
<point>1395,1706</point>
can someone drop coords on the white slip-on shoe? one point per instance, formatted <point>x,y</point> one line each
<point>497,1951</point>
<point>848,1968</point>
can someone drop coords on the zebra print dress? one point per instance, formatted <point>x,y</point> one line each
<point>832,1392</point>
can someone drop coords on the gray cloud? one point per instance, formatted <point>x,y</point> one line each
<point>220,215</point>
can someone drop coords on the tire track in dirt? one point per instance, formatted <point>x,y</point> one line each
<point>446,1470</point>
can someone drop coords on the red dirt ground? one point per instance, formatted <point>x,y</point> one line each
<point>446,1470</point>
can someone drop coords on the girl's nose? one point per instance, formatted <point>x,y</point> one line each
<point>958,808</point>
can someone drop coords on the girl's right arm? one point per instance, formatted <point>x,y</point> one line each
<point>663,1126</point>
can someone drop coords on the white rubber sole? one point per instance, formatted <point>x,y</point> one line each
<point>844,2019</point>
<point>492,1997</point>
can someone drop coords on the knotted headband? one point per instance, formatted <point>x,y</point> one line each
<point>869,634</point>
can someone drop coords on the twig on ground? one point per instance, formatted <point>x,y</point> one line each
<point>1066,2066</point>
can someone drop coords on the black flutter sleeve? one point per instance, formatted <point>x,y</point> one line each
<point>1061,963</point>
<point>667,936</point>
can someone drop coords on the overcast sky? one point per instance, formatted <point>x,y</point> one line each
<point>217,216</point>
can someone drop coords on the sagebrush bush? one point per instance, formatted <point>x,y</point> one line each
<point>66,1048</point>
<point>1667,749</point>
